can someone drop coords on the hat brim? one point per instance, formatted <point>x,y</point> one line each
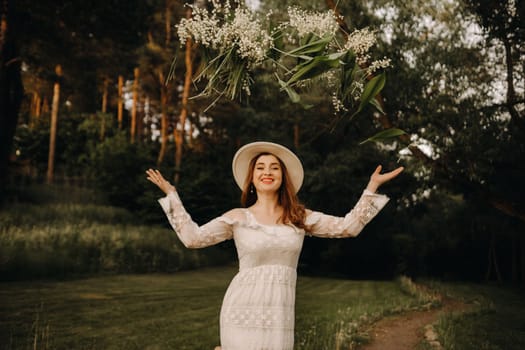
<point>246,153</point>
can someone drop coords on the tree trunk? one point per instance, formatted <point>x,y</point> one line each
<point>163,120</point>
<point>104,107</point>
<point>45,106</point>
<point>120,103</point>
<point>54,122</point>
<point>11,91</point>
<point>34,99</point>
<point>168,23</point>
<point>164,97</point>
<point>102,134</point>
<point>34,109</point>
<point>133,128</point>
<point>38,106</point>
<point>140,118</point>
<point>179,132</point>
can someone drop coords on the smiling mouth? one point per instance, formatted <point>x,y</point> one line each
<point>267,181</point>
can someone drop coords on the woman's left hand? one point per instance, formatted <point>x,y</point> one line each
<point>377,179</point>
<point>156,177</point>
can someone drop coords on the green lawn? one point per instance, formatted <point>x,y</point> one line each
<point>178,311</point>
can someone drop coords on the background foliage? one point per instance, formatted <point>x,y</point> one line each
<point>456,86</point>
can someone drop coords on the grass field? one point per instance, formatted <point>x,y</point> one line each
<point>59,239</point>
<point>179,311</point>
<point>495,319</point>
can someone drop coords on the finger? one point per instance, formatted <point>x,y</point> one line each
<point>159,175</point>
<point>150,173</point>
<point>378,169</point>
<point>394,173</point>
<point>152,180</point>
<point>398,170</point>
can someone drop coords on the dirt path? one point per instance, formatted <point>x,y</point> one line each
<point>406,331</point>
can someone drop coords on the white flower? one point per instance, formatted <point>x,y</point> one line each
<point>246,32</point>
<point>201,27</point>
<point>224,28</point>
<point>357,89</point>
<point>378,64</point>
<point>338,104</point>
<point>360,41</point>
<point>306,22</point>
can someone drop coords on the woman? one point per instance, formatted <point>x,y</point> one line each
<point>258,308</point>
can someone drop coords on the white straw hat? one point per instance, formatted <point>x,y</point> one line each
<point>246,153</point>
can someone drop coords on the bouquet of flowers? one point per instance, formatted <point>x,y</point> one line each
<point>307,46</point>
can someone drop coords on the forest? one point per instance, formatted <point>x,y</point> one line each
<point>92,94</point>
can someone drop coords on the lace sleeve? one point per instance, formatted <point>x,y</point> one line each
<point>191,234</point>
<point>322,225</point>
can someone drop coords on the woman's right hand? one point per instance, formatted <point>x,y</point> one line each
<point>156,177</point>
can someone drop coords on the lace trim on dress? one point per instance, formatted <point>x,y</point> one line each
<point>191,235</point>
<point>275,275</point>
<point>276,317</point>
<point>251,222</point>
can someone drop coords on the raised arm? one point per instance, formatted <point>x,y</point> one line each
<point>328,226</point>
<point>366,208</point>
<point>190,234</point>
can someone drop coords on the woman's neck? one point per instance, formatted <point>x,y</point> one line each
<point>267,209</point>
<point>267,202</point>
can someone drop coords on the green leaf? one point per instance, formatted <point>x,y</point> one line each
<point>171,73</point>
<point>374,102</point>
<point>315,67</point>
<point>313,47</point>
<point>294,96</point>
<point>309,38</point>
<point>278,45</point>
<point>372,88</point>
<point>385,134</point>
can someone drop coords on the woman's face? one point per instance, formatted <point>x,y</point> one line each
<point>267,174</point>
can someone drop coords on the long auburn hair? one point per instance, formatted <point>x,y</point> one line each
<point>293,211</point>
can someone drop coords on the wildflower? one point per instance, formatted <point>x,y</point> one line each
<point>360,41</point>
<point>215,31</point>
<point>318,23</point>
<point>246,32</point>
<point>236,40</point>
<point>357,89</point>
<point>338,104</point>
<point>378,64</point>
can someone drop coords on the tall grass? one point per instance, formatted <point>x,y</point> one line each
<point>57,240</point>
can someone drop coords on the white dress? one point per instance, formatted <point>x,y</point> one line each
<point>258,309</point>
